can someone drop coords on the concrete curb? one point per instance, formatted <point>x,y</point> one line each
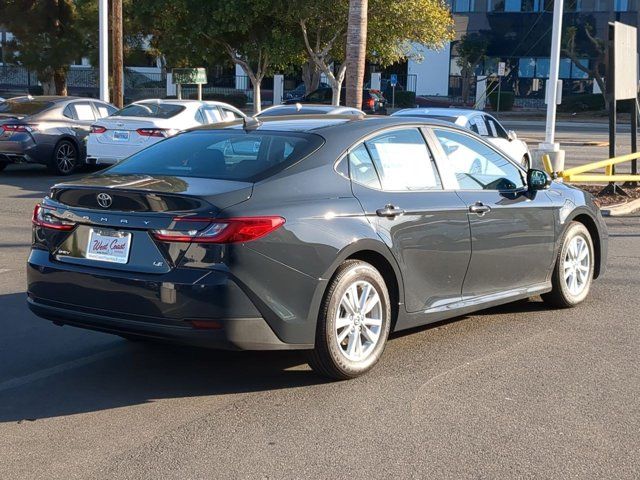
<point>620,210</point>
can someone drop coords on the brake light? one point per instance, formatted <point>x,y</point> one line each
<point>371,103</point>
<point>98,129</point>
<point>152,132</point>
<point>18,127</point>
<point>224,230</point>
<point>44,219</point>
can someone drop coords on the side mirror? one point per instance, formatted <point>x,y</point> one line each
<point>511,135</point>
<point>537,180</point>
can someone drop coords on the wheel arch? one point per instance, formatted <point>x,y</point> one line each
<point>590,224</point>
<point>378,255</point>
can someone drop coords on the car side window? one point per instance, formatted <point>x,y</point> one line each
<point>361,169</point>
<point>69,112</point>
<point>403,161</point>
<point>475,165</point>
<point>103,109</point>
<point>83,111</point>
<point>495,128</point>
<point>200,116</point>
<point>228,115</point>
<point>212,115</point>
<point>481,127</point>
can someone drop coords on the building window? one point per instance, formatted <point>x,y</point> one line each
<point>621,5</point>
<point>461,6</point>
<point>526,67</point>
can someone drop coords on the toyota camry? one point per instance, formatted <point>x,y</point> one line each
<point>317,233</point>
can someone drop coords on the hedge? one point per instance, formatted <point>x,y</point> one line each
<point>403,99</point>
<point>506,100</point>
<point>238,99</point>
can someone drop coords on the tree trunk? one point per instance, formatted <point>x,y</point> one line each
<point>310,76</point>
<point>257,100</point>
<point>356,51</point>
<point>60,81</point>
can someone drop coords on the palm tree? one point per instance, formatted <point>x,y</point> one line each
<point>356,51</point>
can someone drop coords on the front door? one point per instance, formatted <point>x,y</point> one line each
<point>395,179</point>
<point>512,229</point>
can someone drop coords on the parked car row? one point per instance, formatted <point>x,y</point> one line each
<point>66,132</point>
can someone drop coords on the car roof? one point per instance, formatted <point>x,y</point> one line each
<point>440,112</point>
<point>327,125</point>
<point>50,98</point>
<point>312,106</point>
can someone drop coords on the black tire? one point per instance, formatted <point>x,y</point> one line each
<point>65,158</point>
<point>561,295</point>
<point>328,357</point>
<point>3,165</point>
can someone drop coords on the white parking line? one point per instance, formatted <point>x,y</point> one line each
<point>47,372</point>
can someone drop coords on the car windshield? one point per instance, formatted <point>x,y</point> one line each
<point>23,106</point>
<point>150,109</point>
<point>226,154</point>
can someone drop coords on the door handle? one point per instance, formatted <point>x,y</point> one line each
<point>389,211</point>
<point>479,209</point>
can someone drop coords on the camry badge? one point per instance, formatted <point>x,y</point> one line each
<point>104,200</point>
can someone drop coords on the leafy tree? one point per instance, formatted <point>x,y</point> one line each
<point>472,49</point>
<point>248,33</point>
<point>392,30</point>
<point>48,36</point>
<point>586,51</point>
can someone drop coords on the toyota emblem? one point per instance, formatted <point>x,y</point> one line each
<point>104,200</point>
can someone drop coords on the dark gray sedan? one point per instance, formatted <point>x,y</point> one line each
<point>49,130</point>
<point>321,233</point>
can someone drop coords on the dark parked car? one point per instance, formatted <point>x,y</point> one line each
<point>322,233</point>
<point>373,101</point>
<point>300,90</point>
<point>49,130</point>
<point>313,109</point>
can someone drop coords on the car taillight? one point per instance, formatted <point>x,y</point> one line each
<point>223,230</point>
<point>152,132</point>
<point>98,129</point>
<point>18,127</point>
<point>371,103</point>
<point>44,219</point>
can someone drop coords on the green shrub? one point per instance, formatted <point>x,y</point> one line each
<point>403,99</point>
<point>582,103</point>
<point>36,90</point>
<point>506,100</point>
<point>237,98</point>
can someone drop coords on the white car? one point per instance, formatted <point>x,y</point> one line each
<point>481,123</point>
<point>143,123</point>
<point>308,109</point>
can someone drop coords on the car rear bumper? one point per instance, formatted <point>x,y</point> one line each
<point>17,151</point>
<point>188,306</point>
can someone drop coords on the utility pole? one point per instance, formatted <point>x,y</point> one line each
<point>103,36</point>
<point>118,61</point>
<point>550,147</point>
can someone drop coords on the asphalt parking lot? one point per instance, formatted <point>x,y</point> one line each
<point>512,392</point>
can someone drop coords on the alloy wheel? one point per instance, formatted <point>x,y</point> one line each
<point>359,321</point>
<point>577,263</point>
<point>66,158</point>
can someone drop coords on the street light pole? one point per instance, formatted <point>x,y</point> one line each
<point>103,35</point>
<point>549,146</point>
<point>552,96</point>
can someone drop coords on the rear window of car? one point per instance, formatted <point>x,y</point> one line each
<point>24,107</point>
<point>150,109</point>
<point>227,154</point>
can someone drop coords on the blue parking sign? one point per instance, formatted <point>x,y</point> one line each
<point>394,79</point>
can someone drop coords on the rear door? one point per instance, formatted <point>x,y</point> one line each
<point>426,228</point>
<point>512,229</point>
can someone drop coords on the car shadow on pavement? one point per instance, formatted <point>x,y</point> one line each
<point>112,372</point>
